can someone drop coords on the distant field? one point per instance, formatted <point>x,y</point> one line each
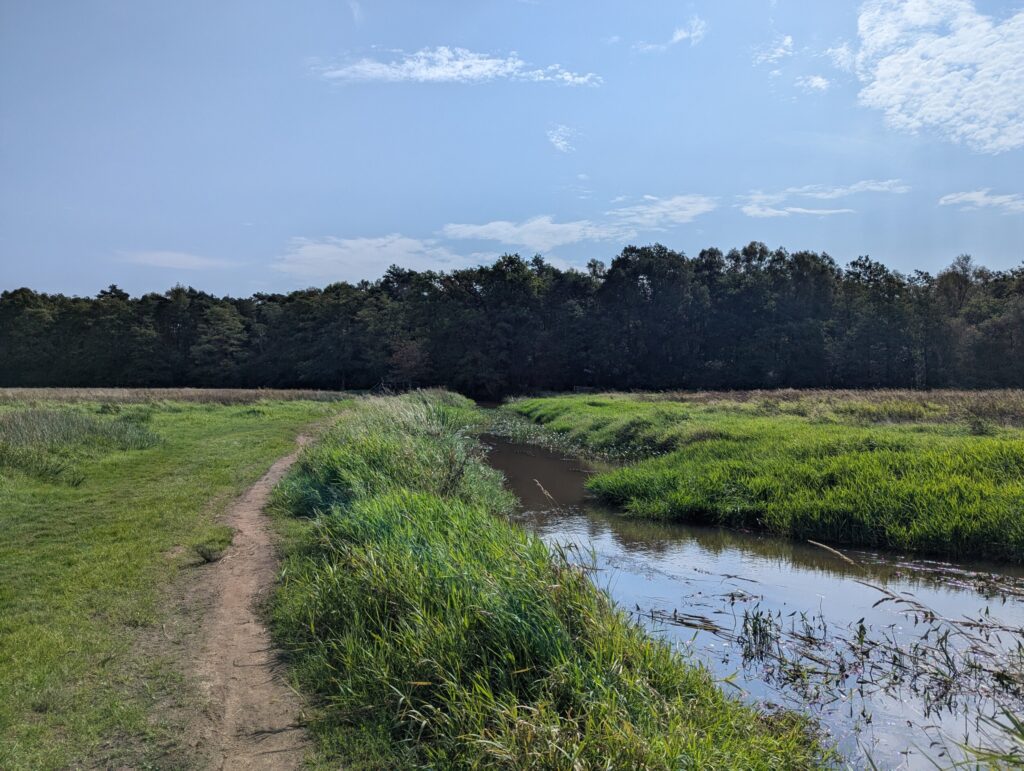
<point>144,395</point>
<point>105,496</point>
<point>936,472</point>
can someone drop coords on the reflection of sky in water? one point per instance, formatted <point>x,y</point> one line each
<point>717,574</point>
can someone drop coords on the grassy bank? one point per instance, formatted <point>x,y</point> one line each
<point>101,506</point>
<point>434,633</point>
<point>939,473</point>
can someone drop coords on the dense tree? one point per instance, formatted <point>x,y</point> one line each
<point>652,318</point>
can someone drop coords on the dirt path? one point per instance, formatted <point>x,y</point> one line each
<point>252,717</point>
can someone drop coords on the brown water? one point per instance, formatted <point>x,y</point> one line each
<point>830,643</point>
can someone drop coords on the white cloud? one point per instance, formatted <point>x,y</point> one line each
<point>657,213</point>
<point>864,186</point>
<point>779,49</point>
<point>1011,203</point>
<point>842,56</point>
<point>453,65</point>
<point>356,9</point>
<point>355,259</point>
<point>942,65</point>
<point>541,234</point>
<point>813,83</point>
<point>561,138</point>
<point>175,260</point>
<point>694,31</point>
<point>762,205</point>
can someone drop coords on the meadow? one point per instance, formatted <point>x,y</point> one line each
<point>938,473</point>
<point>434,633</point>
<point>108,500</point>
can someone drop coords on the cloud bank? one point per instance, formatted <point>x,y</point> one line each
<point>942,65</point>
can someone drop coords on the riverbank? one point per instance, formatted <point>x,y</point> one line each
<point>903,662</point>
<point>939,474</point>
<point>433,632</point>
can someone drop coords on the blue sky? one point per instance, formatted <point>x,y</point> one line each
<point>266,146</point>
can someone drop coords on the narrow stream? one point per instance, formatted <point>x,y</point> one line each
<point>900,678</point>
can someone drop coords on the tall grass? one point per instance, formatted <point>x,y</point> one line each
<point>45,443</point>
<point>436,634</point>
<point>846,476</point>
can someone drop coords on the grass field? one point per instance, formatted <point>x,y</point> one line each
<point>436,634</point>
<point>939,472</point>
<point>102,505</point>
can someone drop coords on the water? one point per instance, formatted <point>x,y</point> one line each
<point>815,637</point>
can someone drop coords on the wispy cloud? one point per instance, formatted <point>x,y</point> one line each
<point>174,260</point>
<point>355,259</point>
<point>693,31</point>
<point>842,56</point>
<point>813,83</point>
<point>452,65</point>
<point>828,192</point>
<point>541,234</point>
<point>538,234</point>
<point>1010,203</point>
<point>561,138</point>
<point>762,205</point>
<point>658,213</point>
<point>356,9</point>
<point>779,49</point>
<point>942,65</point>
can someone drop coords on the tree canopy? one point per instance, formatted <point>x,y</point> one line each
<point>652,319</point>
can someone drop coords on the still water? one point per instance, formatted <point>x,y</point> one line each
<point>899,659</point>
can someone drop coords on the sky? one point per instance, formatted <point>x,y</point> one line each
<point>245,146</point>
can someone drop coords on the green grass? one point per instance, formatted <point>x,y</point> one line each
<point>434,633</point>
<point>931,473</point>
<point>101,506</point>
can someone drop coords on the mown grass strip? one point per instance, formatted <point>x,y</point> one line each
<point>84,560</point>
<point>854,472</point>
<point>437,634</point>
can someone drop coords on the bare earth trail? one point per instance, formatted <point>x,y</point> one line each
<point>252,717</point>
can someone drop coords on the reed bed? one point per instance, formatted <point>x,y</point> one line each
<point>883,473</point>
<point>436,634</point>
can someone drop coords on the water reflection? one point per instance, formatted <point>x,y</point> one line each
<point>699,586</point>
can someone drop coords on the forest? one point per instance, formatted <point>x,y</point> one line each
<point>653,318</point>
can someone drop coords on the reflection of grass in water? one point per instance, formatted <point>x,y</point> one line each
<point>969,668</point>
<point>922,484</point>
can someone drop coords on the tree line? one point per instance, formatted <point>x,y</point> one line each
<point>651,319</point>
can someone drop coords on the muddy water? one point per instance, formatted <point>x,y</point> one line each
<point>829,634</point>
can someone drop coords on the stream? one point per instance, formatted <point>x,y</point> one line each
<point>900,660</point>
